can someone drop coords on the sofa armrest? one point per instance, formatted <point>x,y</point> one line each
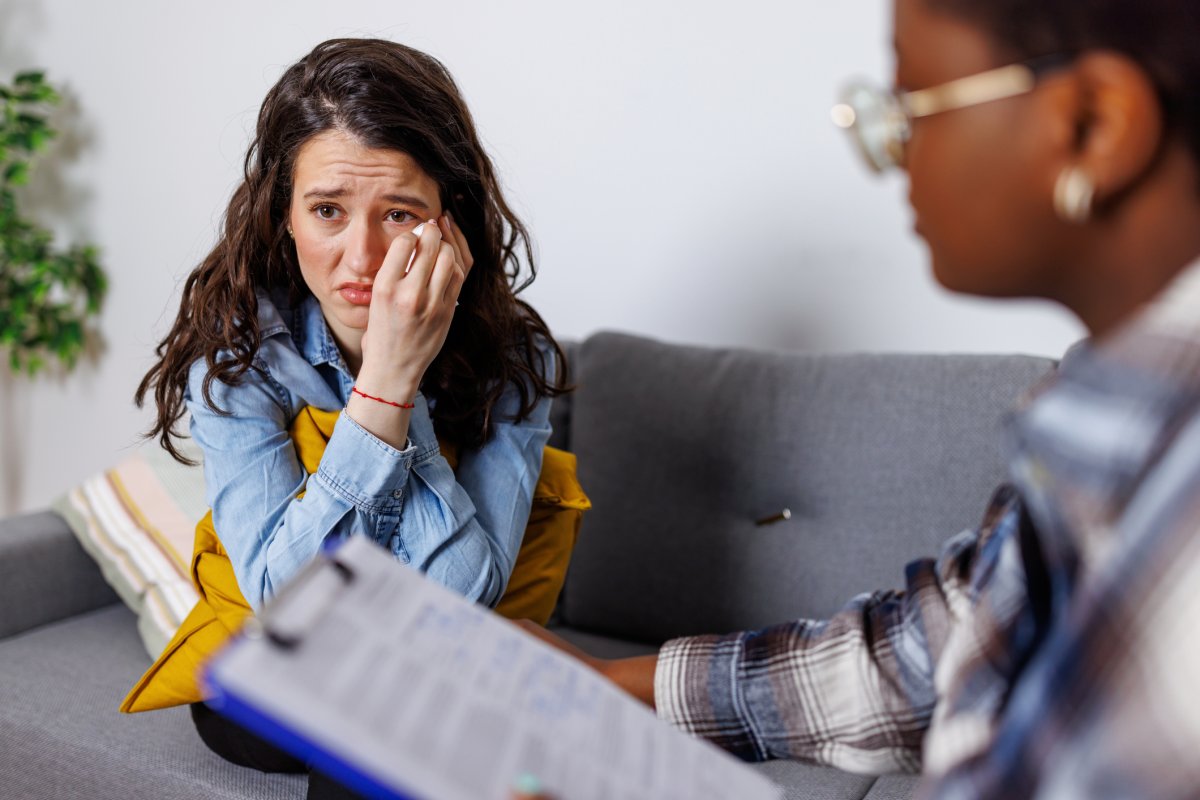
<point>45,575</point>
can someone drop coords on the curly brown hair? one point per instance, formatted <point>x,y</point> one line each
<point>387,96</point>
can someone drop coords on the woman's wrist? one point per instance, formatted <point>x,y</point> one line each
<point>399,389</point>
<point>635,675</point>
<point>355,390</point>
<point>386,422</point>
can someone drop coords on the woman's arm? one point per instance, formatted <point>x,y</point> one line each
<point>635,675</point>
<point>464,534</point>
<point>413,299</point>
<point>856,691</point>
<point>480,511</point>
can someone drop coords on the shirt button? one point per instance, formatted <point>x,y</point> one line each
<point>396,494</point>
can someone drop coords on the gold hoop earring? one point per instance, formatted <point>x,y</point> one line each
<point>1074,192</point>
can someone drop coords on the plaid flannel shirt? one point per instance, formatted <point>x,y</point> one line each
<point>1054,652</point>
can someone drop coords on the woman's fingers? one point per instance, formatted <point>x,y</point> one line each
<point>412,306</point>
<point>422,271</point>
<point>528,787</point>
<point>448,276</point>
<point>415,257</point>
<point>420,266</point>
<point>399,255</point>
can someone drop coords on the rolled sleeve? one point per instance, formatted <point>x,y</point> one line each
<point>463,528</point>
<point>696,689</point>
<point>855,691</point>
<point>362,469</point>
<point>254,481</point>
<point>816,691</point>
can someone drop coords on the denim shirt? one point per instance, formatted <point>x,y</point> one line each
<point>463,529</point>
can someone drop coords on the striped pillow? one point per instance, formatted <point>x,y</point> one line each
<point>138,521</point>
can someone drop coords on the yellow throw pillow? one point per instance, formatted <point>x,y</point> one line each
<point>554,520</point>
<point>533,587</point>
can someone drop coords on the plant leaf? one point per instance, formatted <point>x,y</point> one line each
<point>33,77</point>
<point>47,294</point>
<point>17,173</point>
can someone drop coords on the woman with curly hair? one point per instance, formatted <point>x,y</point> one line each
<point>363,287</point>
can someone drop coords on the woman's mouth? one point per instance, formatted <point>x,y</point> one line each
<point>356,294</point>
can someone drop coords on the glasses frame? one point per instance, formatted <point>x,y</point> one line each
<point>896,110</point>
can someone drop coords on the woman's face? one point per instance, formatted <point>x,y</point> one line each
<point>977,176</point>
<point>348,203</point>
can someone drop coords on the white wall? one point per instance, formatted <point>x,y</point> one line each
<point>674,160</point>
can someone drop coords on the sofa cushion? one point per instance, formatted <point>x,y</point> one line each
<point>63,737</point>
<point>892,787</point>
<point>879,458</point>
<point>802,781</point>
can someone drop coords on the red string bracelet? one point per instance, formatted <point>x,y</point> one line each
<point>355,390</point>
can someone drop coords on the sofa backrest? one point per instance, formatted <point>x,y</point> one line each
<point>879,459</point>
<point>560,409</point>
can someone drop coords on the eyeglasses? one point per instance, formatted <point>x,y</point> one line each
<point>880,121</point>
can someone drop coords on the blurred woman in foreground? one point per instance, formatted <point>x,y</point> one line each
<point>1052,149</point>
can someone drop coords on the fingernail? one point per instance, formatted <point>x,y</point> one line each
<point>449,219</point>
<point>417,230</point>
<point>527,784</point>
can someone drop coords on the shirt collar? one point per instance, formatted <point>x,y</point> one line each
<point>1084,439</point>
<point>305,322</point>
<point>270,319</point>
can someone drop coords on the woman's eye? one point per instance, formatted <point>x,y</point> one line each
<point>400,217</point>
<point>326,212</point>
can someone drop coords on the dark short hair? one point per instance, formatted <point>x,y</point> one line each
<point>1162,36</point>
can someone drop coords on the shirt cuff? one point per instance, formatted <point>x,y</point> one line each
<point>363,469</point>
<point>696,689</point>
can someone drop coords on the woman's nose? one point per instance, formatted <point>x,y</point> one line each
<point>366,245</point>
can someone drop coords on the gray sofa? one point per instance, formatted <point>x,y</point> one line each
<point>879,458</point>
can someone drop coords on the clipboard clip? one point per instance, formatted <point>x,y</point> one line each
<point>303,602</point>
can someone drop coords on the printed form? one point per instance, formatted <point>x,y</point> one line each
<point>426,695</point>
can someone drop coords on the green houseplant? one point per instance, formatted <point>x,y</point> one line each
<point>47,295</point>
